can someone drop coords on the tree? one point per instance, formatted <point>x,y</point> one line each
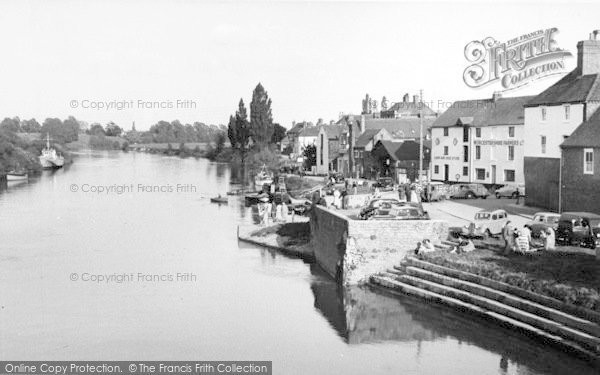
<point>30,126</point>
<point>11,124</point>
<point>261,119</point>
<point>97,129</point>
<point>238,130</point>
<point>310,156</point>
<point>278,133</point>
<point>113,130</point>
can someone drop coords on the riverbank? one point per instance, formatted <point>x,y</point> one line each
<point>289,238</point>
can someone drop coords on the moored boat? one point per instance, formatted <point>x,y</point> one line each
<point>50,159</point>
<point>220,200</point>
<point>16,176</point>
<point>263,177</point>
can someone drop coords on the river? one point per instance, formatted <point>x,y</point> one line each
<point>151,275</point>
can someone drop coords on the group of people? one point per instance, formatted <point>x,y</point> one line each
<point>464,246</point>
<point>519,240</point>
<point>273,212</point>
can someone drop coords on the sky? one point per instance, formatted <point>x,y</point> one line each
<point>315,59</point>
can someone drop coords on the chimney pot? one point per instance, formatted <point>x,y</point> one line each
<point>415,98</point>
<point>588,55</point>
<point>406,98</point>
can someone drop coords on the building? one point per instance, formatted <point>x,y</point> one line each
<point>328,145</point>
<point>480,141</point>
<point>400,159</point>
<point>552,116</point>
<point>580,175</point>
<point>365,163</point>
<point>407,108</point>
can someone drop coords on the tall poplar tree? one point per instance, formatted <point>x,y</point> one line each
<point>261,119</point>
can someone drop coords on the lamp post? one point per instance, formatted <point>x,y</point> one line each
<point>350,146</point>
<point>420,136</point>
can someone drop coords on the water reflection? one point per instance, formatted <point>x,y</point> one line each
<point>361,315</point>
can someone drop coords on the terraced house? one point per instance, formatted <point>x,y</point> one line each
<point>480,141</point>
<point>551,117</point>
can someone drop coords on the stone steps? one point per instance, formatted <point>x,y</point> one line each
<point>584,339</point>
<point>507,299</point>
<point>393,285</point>
<point>575,311</point>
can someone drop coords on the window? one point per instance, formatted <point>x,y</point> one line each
<point>356,154</point>
<point>344,139</point>
<point>509,175</point>
<point>321,149</point>
<point>465,153</point>
<point>465,171</point>
<point>477,152</point>
<point>465,134</point>
<point>543,140</point>
<point>445,132</point>
<point>511,131</point>
<point>436,169</point>
<point>588,161</point>
<point>543,113</point>
<point>480,173</point>
<point>511,152</point>
<point>445,150</point>
<point>567,112</point>
<point>478,132</point>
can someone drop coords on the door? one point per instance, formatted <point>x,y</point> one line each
<point>446,172</point>
<point>493,174</point>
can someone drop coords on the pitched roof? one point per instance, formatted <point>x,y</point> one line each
<point>332,131</point>
<point>484,112</point>
<point>296,129</point>
<point>391,147</point>
<point>311,131</point>
<point>409,150</point>
<point>572,88</point>
<point>403,127</point>
<point>585,135</point>
<point>366,137</point>
<point>409,109</point>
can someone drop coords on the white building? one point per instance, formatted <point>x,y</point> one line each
<point>480,141</point>
<point>552,116</point>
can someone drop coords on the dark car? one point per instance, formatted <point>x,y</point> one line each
<point>384,183</point>
<point>571,229</point>
<point>469,191</point>
<point>393,209</point>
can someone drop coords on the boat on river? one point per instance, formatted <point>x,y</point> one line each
<point>50,159</point>
<point>17,176</point>
<point>264,176</point>
<point>219,200</point>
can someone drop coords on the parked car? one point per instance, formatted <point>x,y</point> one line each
<point>469,191</point>
<point>486,223</point>
<point>435,192</point>
<point>542,221</point>
<point>511,191</point>
<point>571,231</point>
<point>391,208</point>
<point>384,183</point>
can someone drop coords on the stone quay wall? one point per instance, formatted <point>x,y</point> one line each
<point>352,250</point>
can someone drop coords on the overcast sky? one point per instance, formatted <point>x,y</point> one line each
<point>315,59</point>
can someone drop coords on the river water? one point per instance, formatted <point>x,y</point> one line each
<point>151,275</point>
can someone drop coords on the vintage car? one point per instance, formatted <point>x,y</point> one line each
<point>469,191</point>
<point>391,208</point>
<point>486,223</point>
<point>571,230</point>
<point>384,184</point>
<point>510,191</point>
<point>435,192</point>
<point>542,221</point>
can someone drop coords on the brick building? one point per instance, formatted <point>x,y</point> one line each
<point>580,176</point>
<point>551,117</point>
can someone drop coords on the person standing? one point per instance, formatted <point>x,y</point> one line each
<point>550,241</point>
<point>507,235</point>
<point>336,199</point>
<point>414,197</point>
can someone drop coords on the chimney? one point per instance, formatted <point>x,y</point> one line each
<point>415,99</point>
<point>406,98</point>
<point>496,95</point>
<point>588,55</point>
<point>362,124</point>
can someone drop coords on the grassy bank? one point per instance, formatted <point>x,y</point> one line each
<point>568,277</point>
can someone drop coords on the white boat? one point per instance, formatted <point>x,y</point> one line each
<point>16,176</point>
<point>263,177</point>
<point>49,158</point>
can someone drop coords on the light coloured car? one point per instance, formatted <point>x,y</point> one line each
<point>510,191</point>
<point>486,223</point>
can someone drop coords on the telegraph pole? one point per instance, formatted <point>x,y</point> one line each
<point>420,135</point>
<point>350,147</point>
